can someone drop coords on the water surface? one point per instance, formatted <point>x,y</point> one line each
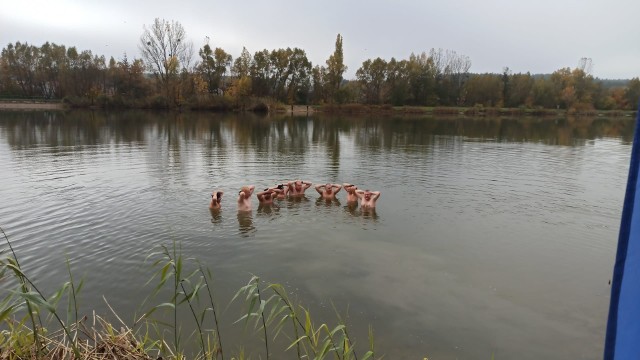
<point>492,236</point>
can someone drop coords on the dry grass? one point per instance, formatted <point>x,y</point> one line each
<point>100,341</point>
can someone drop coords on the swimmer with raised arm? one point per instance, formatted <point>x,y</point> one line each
<point>266,197</point>
<point>283,190</point>
<point>298,187</point>
<point>368,198</point>
<point>244,198</point>
<point>216,198</point>
<point>352,197</point>
<point>328,191</point>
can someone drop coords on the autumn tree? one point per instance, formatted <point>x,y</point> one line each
<point>451,70</point>
<point>261,73</point>
<point>422,77</point>
<point>50,70</point>
<point>279,64</point>
<point>19,62</point>
<point>84,73</point>
<point>573,88</point>
<point>126,79</point>
<point>282,73</point>
<point>485,89</point>
<point>584,84</point>
<point>242,65</point>
<point>520,90</point>
<point>213,66</point>
<point>608,99</point>
<point>397,82</point>
<point>298,76</point>
<point>545,94</point>
<point>239,91</point>
<point>165,50</point>
<point>335,69</point>
<point>318,80</point>
<point>632,94</point>
<point>372,76</point>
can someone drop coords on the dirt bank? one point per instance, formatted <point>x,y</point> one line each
<point>30,105</point>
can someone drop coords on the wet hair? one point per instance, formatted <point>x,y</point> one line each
<point>281,186</point>
<point>218,195</point>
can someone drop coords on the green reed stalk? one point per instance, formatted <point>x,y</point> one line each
<point>176,262</point>
<point>253,296</point>
<point>213,309</point>
<point>264,325</point>
<point>176,274</point>
<point>282,294</point>
<point>43,301</point>
<point>311,334</point>
<point>25,290</point>
<point>346,333</point>
<point>72,296</point>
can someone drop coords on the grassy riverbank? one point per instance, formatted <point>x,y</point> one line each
<point>33,326</point>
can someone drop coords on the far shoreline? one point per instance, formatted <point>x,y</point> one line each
<point>346,109</point>
<point>30,105</point>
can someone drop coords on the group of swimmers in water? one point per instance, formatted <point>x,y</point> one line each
<point>296,188</point>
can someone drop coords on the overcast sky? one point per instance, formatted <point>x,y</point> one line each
<point>539,36</point>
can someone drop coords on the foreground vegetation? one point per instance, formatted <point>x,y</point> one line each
<point>166,77</point>
<point>33,326</point>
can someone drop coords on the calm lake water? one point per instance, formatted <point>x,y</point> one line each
<point>492,236</point>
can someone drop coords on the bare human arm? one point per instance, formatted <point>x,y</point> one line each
<point>338,187</point>
<point>246,191</point>
<point>320,189</point>
<point>283,188</point>
<point>261,194</point>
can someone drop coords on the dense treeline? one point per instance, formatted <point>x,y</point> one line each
<point>167,76</point>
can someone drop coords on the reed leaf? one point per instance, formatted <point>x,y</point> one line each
<point>367,355</point>
<point>303,337</point>
<point>35,298</point>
